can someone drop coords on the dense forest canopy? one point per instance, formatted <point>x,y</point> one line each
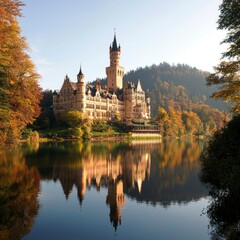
<point>179,83</point>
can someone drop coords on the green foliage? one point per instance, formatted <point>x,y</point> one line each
<point>99,126</point>
<point>229,20</point>
<point>72,118</point>
<point>226,74</point>
<point>87,133</point>
<point>79,127</point>
<point>46,118</point>
<point>71,133</point>
<point>220,170</point>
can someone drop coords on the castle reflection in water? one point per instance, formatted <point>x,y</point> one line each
<point>152,172</point>
<point>118,172</point>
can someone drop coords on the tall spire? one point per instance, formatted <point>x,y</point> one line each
<point>114,46</point>
<point>80,71</point>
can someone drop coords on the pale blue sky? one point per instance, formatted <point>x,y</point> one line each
<point>64,34</point>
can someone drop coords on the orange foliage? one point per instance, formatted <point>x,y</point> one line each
<point>20,92</point>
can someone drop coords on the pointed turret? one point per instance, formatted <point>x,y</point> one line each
<point>80,76</point>
<point>114,46</point>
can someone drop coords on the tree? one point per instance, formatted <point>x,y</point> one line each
<point>192,122</point>
<point>176,127</point>
<point>46,118</point>
<point>220,170</point>
<point>72,118</point>
<point>19,90</point>
<point>227,73</point>
<point>163,119</point>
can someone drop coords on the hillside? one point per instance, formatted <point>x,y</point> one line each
<point>179,83</point>
<point>180,99</point>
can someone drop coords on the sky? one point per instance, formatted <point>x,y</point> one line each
<point>64,34</point>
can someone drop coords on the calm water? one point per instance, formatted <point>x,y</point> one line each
<point>138,190</point>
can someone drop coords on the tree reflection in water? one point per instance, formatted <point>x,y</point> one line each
<point>19,188</point>
<point>220,170</point>
<point>154,172</point>
<point>161,173</point>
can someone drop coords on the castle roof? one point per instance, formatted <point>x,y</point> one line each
<point>80,72</point>
<point>73,85</point>
<point>114,46</point>
<point>104,93</point>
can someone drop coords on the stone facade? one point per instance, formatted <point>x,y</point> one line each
<point>114,101</point>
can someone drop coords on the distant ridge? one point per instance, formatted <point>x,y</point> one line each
<point>180,83</point>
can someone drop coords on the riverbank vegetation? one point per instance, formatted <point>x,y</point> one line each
<point>220,162</point>
<point>19,89</point>
<point>173,123</point>
<point>179,98</point>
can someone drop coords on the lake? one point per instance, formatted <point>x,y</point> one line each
<point>135,190</point>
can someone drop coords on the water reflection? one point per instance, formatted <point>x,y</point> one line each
<point>154,172</point>
<point>19,188</point>
<point>157,173</point>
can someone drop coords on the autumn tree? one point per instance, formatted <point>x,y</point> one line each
<point>227,73</point>
<point>19,90</point>
<point>163,120</point>
<point>176,127</point>
<point>192,122</point>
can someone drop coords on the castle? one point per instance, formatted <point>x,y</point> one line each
<point>111,102</point>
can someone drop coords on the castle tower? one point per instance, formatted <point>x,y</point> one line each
<point>129,100</point>
<point>114,72</point>
<point>80,76</point>
<point>115,200</point>
<point>81,96</point>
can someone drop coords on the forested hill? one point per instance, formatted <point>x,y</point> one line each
<point>175,86</point>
